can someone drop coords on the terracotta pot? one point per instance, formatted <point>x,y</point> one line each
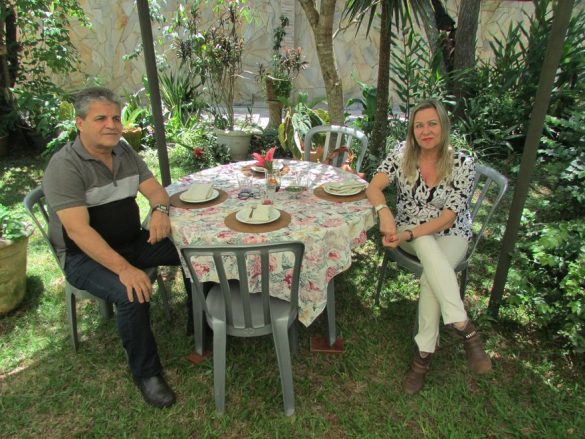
<point>237,142</point>
<point>133,136</point>
<point>12,273</point>
<point>270,95</point>
<point>274,114</point>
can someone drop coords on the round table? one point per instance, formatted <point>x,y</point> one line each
<point>330,227</point>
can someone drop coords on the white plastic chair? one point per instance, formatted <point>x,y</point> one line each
<point>35,202</point>
<point>485,178</point>
<point>231,309</point>
<point>346,137</point>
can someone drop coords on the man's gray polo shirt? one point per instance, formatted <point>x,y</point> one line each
<point>73,178</point>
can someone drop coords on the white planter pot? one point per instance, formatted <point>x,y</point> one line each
<point>238,143</point>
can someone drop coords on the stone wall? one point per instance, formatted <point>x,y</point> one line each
<point>116,32</point>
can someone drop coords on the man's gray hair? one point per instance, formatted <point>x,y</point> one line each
<point>85,97</point>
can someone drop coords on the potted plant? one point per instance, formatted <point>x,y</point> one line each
<point>299,118</point>
<point>14,233</point>
<point>131,130</point>
<point>215,54</point>
<point>66,129</point>
<point>277,78</point>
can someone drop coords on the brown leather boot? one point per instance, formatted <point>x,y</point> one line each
<point>415,377</point>
<point>477,359</point>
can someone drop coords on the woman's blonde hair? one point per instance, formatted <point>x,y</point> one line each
<point>412,148</point>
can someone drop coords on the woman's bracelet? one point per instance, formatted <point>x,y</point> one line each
<point>410,235</point>
<point>379,207</point>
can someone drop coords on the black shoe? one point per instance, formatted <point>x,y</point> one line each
<point>156,391</point>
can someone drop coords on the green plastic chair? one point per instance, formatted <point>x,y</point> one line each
<point>346,136</point>
<point>35,204</point>
<point>231,309</point>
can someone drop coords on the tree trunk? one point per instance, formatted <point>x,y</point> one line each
<point>322,27</point>
<point>429,23</point>
<point>465,38</point>
<point>381,118</point>
<point>4,73</point>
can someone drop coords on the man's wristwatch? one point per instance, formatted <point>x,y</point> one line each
<point>163,208</point>
<point>410,235</point>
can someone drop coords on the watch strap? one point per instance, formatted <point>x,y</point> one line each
<point>163,208</point>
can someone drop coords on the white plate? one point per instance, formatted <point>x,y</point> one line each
<point>243,216</point>
<point>345,193</point>
<point>262,170</point>
<point>184,197</point>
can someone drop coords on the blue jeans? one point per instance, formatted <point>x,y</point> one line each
<point>133,318</point>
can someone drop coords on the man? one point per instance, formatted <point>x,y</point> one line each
<point>91,186</point>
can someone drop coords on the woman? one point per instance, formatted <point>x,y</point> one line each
<point>433,222</point>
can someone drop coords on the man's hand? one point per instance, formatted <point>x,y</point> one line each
<point>136,280</point>
<point>159,227</point>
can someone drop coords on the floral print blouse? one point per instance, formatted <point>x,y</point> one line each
<point>419,203</point>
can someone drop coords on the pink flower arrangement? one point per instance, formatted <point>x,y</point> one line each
<point>265,161</point>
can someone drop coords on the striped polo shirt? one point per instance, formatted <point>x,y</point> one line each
<point>74,178</point>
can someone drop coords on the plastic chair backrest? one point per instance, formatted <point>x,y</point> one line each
<point>485,178</point>
<point>346,136</point>
<point>35,201</point>
<point>258,256</point>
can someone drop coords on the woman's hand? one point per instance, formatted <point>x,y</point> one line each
<point>388,229</point>
<point>394,241</point>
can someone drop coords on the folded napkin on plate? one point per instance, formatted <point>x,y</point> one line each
<point>345,186</point>
<point>199,191</point>
<point>262,213</point>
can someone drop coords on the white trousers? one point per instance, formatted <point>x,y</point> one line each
<point>439,290</point>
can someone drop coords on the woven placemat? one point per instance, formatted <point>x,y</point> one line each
<point>320,192</point>
<point>234,224</point>
<point>247,170</point>
<point>177,202</point>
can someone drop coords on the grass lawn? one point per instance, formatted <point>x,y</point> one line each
<point>48,390</point>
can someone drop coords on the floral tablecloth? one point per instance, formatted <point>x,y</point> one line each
<point>328,229</point>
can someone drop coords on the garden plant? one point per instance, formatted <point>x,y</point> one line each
<point>536,345</point>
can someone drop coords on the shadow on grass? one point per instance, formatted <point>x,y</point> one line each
<point>28,306</point>
<point>62,393</point>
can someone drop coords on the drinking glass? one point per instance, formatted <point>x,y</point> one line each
<point>272,184</point>
<point>296,185</point>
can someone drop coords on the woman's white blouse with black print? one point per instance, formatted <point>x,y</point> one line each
<point>418,203</point>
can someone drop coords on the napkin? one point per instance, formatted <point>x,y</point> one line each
<point>198,191</point>
<point>262,212</point>
<point>345,186</point>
